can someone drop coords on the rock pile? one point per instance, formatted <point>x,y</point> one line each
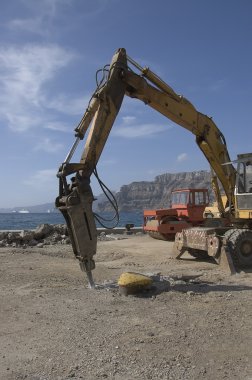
<point>110,237</point>
<point>45,234</point>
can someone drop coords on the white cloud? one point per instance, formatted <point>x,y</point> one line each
<point>72,106</point>
<point>42,178</point>
<point>33,25</point>
<point>107,162</point>
<point>58,126</point>
<point>48,146</point>
<point>23,75</point>
<point>45,6</point>
<point>136,131</point>
<point>182,157</point>
<point>42,15</point>
<point>131,129</point>
<point>128,119</point>
<point>42,187</point>
<point>157,171</point>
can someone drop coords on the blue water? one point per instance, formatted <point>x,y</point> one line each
<point>16,221</point>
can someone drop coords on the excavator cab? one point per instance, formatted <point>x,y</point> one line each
<point>229,243</point>
<point>243,189</point>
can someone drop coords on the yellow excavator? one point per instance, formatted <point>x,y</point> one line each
<point>230,240</point>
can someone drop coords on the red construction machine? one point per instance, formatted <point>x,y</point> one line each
<point>187,208</point>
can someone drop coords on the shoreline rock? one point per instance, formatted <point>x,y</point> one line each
<point>48,234</point>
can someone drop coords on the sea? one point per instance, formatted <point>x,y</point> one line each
<point>29,221</point>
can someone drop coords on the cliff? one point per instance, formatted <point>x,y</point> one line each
<point>156,194</point>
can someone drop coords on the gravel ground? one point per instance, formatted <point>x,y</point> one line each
<point>195,324</point>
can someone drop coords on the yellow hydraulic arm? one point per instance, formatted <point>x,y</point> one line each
<point>75,199</point>
<point>178,109</point>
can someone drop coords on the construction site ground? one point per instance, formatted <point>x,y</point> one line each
<point>195,324</point>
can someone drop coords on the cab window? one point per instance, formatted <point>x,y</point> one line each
<point>199,198</point>
<point>180,197</point>
<point>244,177</point>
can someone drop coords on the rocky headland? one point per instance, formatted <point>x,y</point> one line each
<point>156,194</point>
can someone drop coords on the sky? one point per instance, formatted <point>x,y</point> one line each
<point>50,51</point>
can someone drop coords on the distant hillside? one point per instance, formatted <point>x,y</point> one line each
<point>46,207</point>
<point>139,195</point>
<point>157,194</point>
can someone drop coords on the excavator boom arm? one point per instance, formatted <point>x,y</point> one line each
<point>75,199</point>
<point>178,109</point>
